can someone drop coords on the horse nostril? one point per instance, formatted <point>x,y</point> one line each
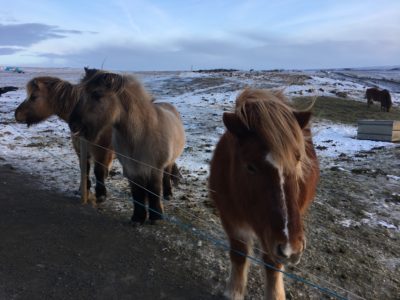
<point>281,251</point>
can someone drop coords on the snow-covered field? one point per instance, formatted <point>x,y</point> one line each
<point>201,105</point>
<point>201,98</point>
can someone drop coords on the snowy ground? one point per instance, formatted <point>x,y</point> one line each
<point>201,99</point>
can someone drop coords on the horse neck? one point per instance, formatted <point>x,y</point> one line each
<point>64,99</point>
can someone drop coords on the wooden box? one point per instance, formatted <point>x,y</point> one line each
<point>379,130</point>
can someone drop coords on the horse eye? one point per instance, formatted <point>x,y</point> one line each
<point>32,98</point>
<point>251,168</point>
<point>96,95</point>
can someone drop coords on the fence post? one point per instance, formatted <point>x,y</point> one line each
<point>83,162</point>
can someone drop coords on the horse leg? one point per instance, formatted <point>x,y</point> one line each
<point>76,145</point>
<point>155,204</point>
<point>139,203</point>
<point>167,189</point>
<point>88,182</point>
<point>240,246</point>
<point>100,172</point>
<point>274,288</point>
<point>102,164</point>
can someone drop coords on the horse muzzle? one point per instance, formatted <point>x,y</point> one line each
<point>20,117</point>
<point>289,255</point>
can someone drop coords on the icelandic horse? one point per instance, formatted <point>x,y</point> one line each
<point>263,176</point>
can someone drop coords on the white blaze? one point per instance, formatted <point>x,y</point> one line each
<point>269,158</point>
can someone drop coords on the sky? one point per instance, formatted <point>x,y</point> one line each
<point>136,35</point>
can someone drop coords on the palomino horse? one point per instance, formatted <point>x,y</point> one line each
<point>382,96</point>
<point>263,176</point>
<point>49,96</point>
<point>148,137</point>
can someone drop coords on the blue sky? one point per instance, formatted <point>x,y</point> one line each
<point>180,35</point>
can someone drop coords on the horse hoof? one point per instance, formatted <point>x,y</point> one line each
<point>155,217</point>
<point>135,224</point>
<point>137,220</point>
<point>101,199</point>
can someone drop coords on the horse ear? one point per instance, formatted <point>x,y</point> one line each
<point>114,82</point>
<point>302,117</point>
<point>234,125</point>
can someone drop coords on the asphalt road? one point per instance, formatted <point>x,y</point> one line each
<point>52,247</point>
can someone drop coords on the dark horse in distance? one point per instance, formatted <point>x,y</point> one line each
<point>382,96</point>
<point>263,176</point>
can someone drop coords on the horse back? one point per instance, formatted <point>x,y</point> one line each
<point>170,128</point>
<point>372,93</point>
<point>169,107</point>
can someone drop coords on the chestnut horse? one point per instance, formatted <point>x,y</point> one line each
<point>382,96</point>
<point>263,176</point>
<point>148,137</point>
<point>47,96</point>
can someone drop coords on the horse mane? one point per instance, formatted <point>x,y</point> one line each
<point>135,100</point>
<point>62,95</point>
<point>125,86</point>
<point>268,114</point>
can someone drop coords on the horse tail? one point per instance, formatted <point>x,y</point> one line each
<point>176,174</point>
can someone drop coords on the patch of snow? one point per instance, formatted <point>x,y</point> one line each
<point>346,223</point>
<point>387,225</point>
<point>331,140</point>
<point>393,177</point>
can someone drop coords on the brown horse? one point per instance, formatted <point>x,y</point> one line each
<point>382,96</point>
<point>263,176</point>
<point>47,96</point>
<point>148,137</point>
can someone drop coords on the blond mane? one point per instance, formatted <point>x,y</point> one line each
<point>268,114</point>
<point>62,96</point>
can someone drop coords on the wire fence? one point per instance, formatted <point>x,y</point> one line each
<point>219,240</point>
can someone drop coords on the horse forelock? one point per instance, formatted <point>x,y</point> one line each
<point>267,113</point>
